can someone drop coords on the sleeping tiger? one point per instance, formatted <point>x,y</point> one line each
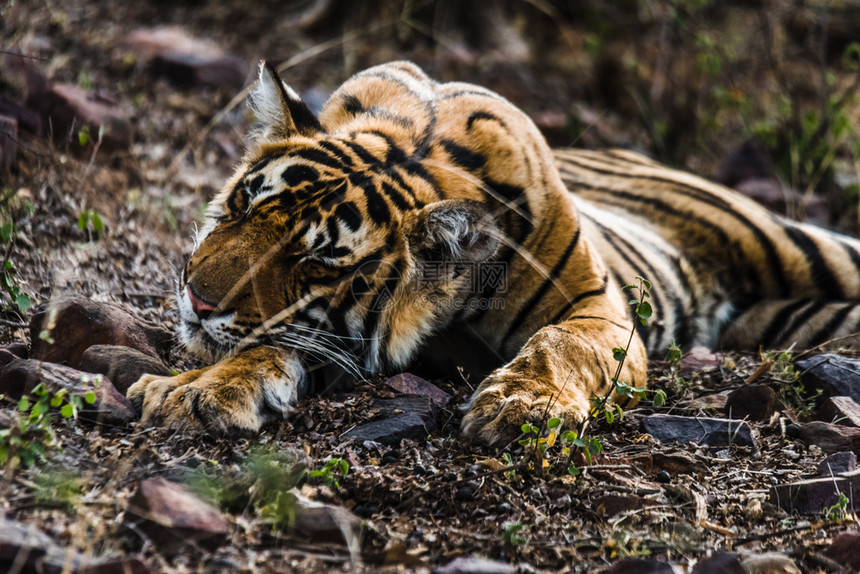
<point>413,213</point>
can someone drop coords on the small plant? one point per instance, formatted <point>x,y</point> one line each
<point>839,510</point>
<point>54,486</point>
<point>90,221</point>
<point>28,441</point>
<point>792,391</point>
<point>513,533</point>
<point>331,471</point>
<point>10,209</point>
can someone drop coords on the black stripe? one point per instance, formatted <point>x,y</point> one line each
<point>832,325</point>
<point>464,157</point>
<point>395,196</point>
<point>377,209</point>
<point>800,320</point>
<point>362,153</point>
<point>330,146</point>
<point>569,307</point>
<point>773,260</point>
<point>529,305</point>
<point>484,116</point>
<point>821,275</point>
<point>778,321</point>
<point>348,213</point>
<point>320,157</point>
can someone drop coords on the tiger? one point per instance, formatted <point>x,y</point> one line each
<point>412,215</point>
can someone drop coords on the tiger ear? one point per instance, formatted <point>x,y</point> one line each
<point>453,230</point>
<point>279,109</point>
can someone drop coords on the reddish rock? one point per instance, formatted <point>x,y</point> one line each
<point>409,384</point>
<point>172,516</point>
<point>122,365</point>
<point>753,402</point>
<point>834,374</point>
<point>815,496</point>
<point>21,544</point>
<point>845,550</point>
<point>69,109</point>
<point>18,349</point>
<point>720,563</point>
<point>8,143</point>
<point>28,120</point>
<point>839,410</point>
<point>827,436</point>
<point>321,522</point>
<point>76,324</point>
<point>770,563</point>
<point>110,407</point>
<point>700,359</point>
<point>187,61</point>
<point>641,566</point>
<point>611,504</point>
<point>125,565</point>
<point>677,463</point>
<point>838,463</point>
<point>702,431</point>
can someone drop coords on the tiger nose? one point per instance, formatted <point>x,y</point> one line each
<point>200,307</point>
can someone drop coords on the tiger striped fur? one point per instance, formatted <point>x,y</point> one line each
<point>354,238</point>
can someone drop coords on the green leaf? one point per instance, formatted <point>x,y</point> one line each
<point>628,287</point>
<point>56,401</point>
<point>619,354</point>
<point>83,219</point>
<point>526,428</point>
<point>83,137</point>
<point>659,398</point>
<point>98,225</point>
<point>24,404</point>
<point>644,310</point>
<point>572,470</point>
<point>39,409</point>
<point>67,411</point>
<point>90,397</point>
<point>553,423</point>
<point>610,417</point>
<point>23,302</point>
<point>6,231</point>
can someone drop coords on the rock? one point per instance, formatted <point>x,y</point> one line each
<point>641,566</point>
<point>26,549</point>
<point>110,407</point>
<point>187,61</point>
<point>834,374</point>
<point>27,119</point>
<point>712,402</point>
<point>839,410</point>
<point>676,463</point>
<point>18,349</point>
<point>320,522</point>
<point>69,108</point>
<point>827,436</point>
<point>700,359</point>
<point>122,365</point>
<point>770,563</point>
<point>838,463</point>
<point>845,550</point>
<point>609,505</point>
<point>6,357</point>
<point>173,516</point>
<point>76,324</point>
<point>409,384</point>
<point>720,563</point>
<point>475,565</point>
<point>753,402</point>
<point>406,416</point>
<point>702,431</point>
<point>816,495</point>
<point>8,143</point>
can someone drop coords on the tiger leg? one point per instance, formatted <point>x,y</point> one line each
<point>555,374</point>
<point>236,396</point>
<point>803,322</point>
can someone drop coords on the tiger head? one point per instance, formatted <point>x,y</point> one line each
<point>322,240</point>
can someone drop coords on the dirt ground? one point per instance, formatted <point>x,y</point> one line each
<point>634,74</point>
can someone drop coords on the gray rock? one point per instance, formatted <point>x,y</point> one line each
<point>641,566</point>
<point>409,384</point>
<point>845,550</point>
<point>827,436</point>
<point>753,402</point>
<point>411,417</point>
<point>702,431</point>
<point>839,410</point>
<point>475,565</point>
<point>720,563</point>
<point>834,374</point>
<point>838,463</point>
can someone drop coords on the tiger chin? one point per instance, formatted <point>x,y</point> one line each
<point>410,210</point>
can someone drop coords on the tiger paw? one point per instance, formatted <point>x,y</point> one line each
<point>503,402</point>
<point>235,397</point>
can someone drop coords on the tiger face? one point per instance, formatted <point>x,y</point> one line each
<point>302,249</point>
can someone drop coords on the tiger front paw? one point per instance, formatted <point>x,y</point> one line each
<point>235,397</point>
<point>504,401</point>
